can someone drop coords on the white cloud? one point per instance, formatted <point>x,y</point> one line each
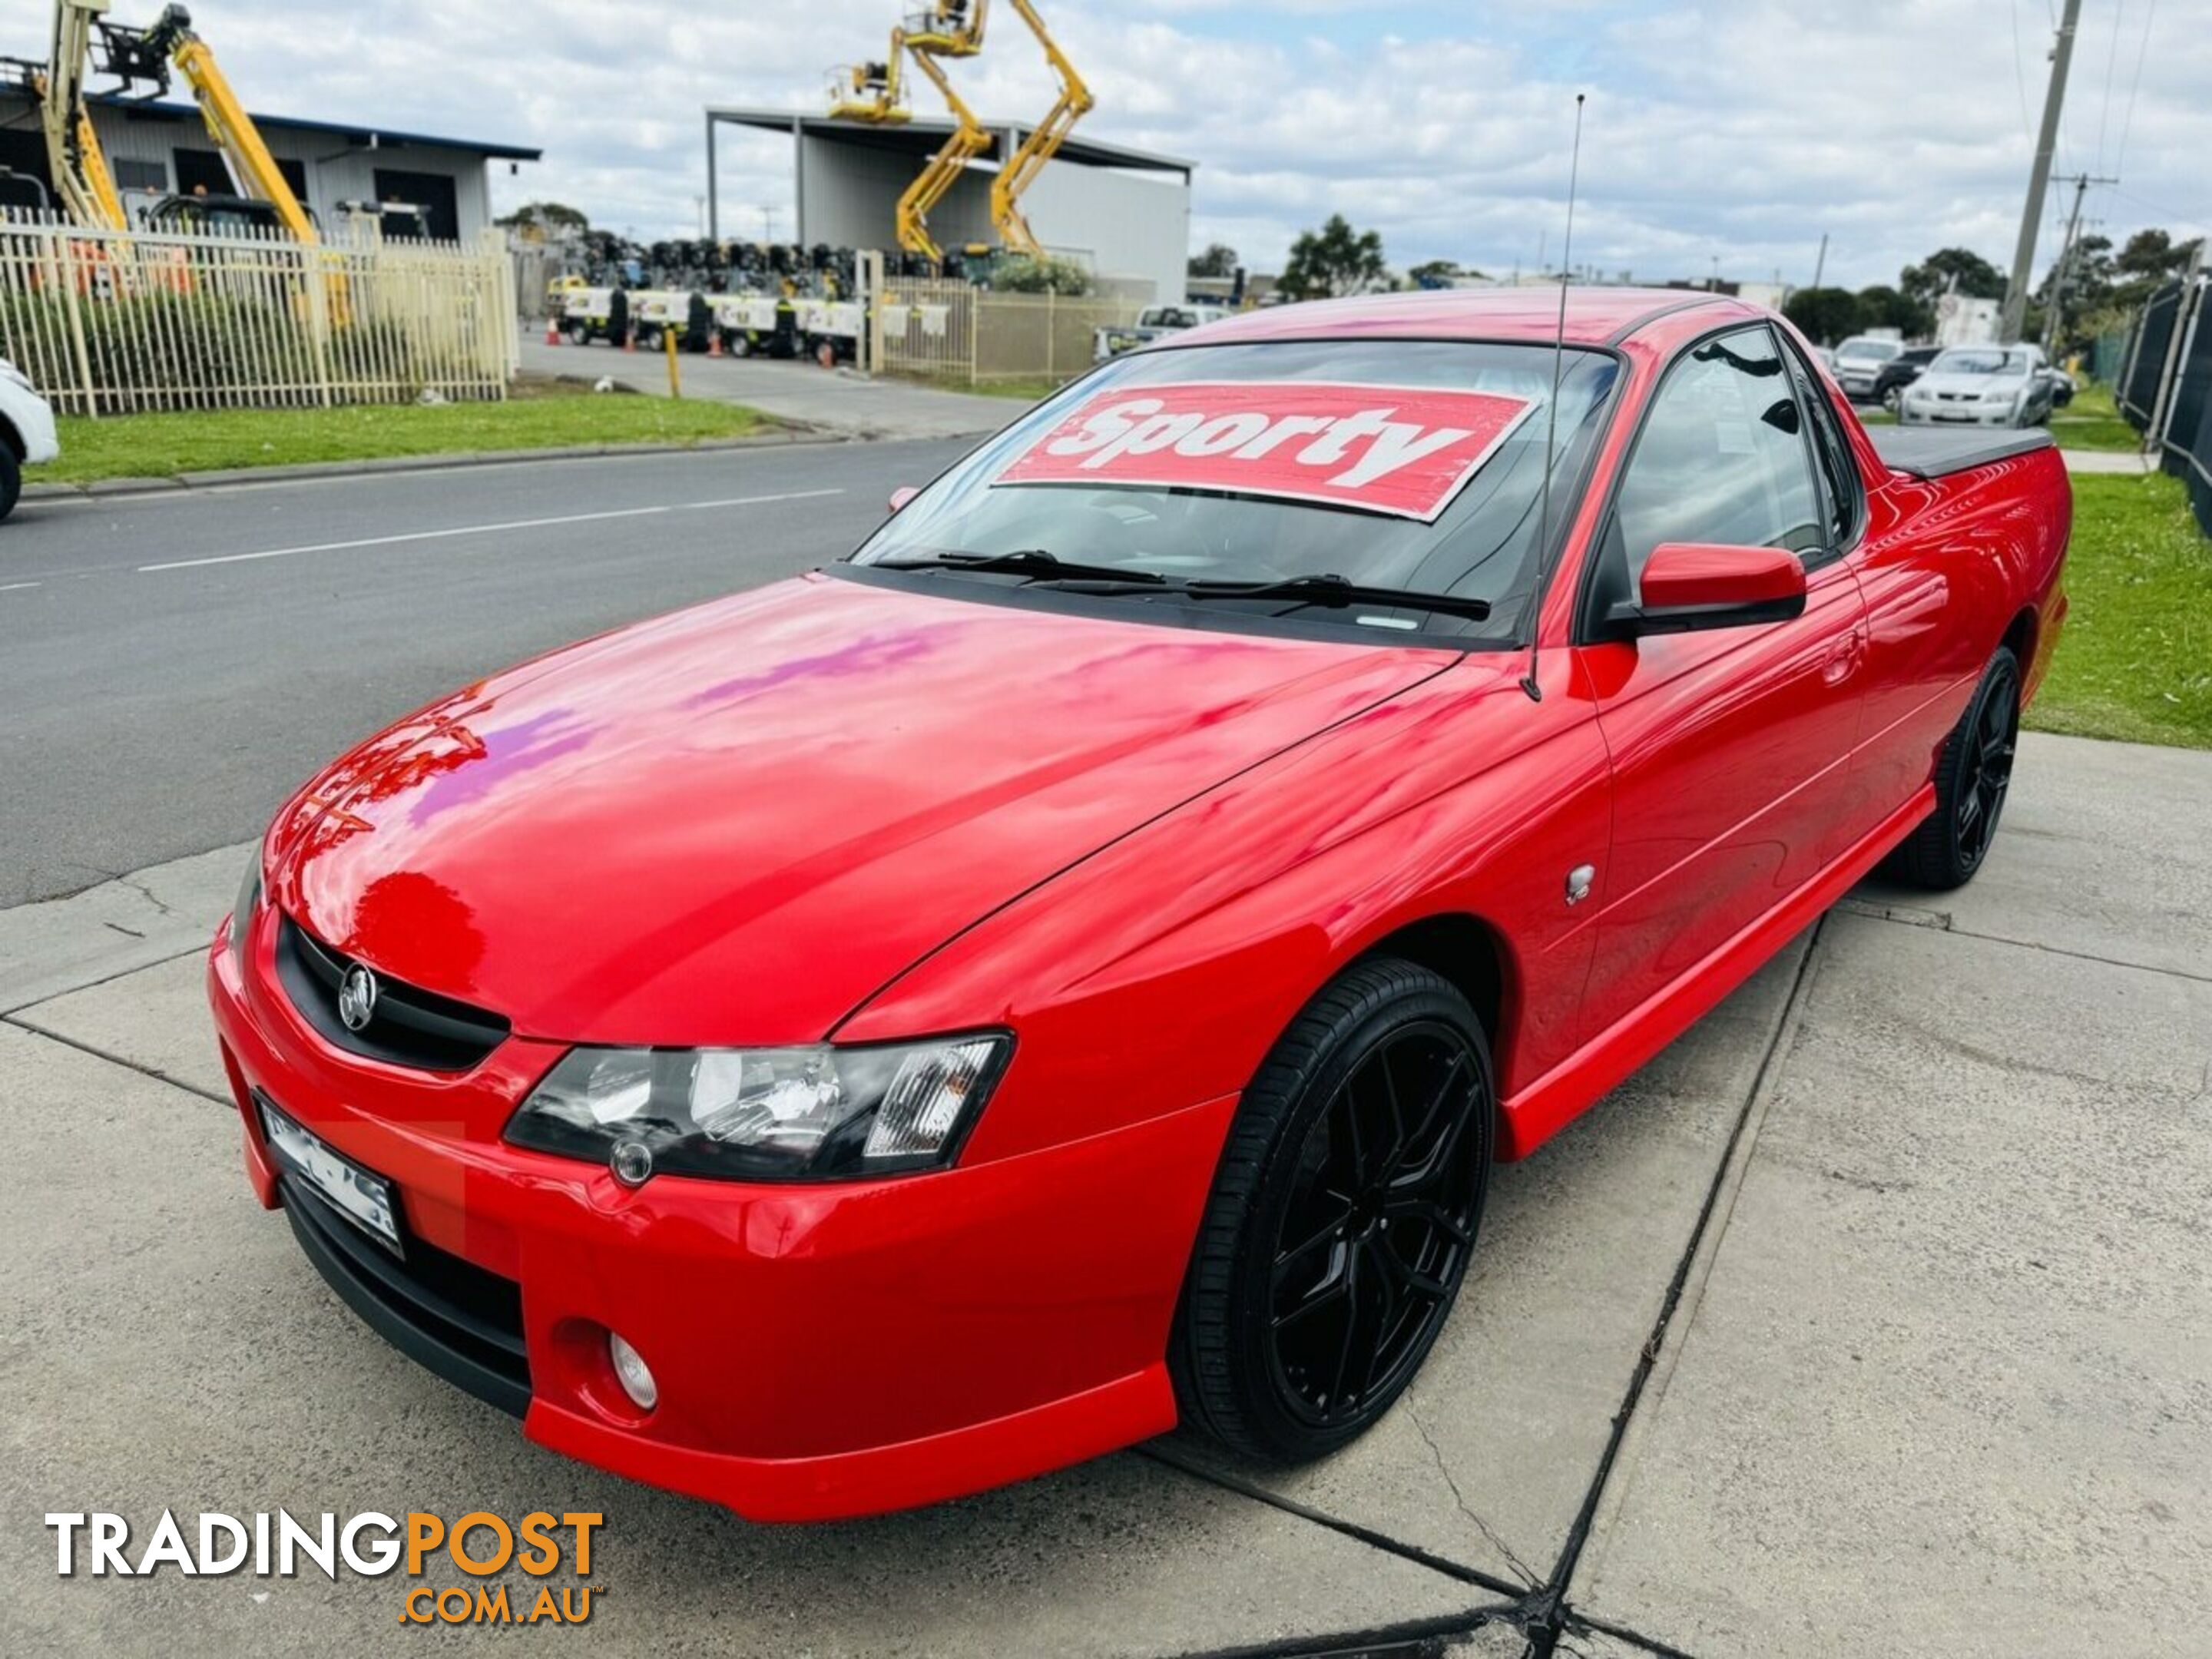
<point>1739,132</point>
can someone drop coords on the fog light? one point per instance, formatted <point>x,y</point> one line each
<point>632,1373</point>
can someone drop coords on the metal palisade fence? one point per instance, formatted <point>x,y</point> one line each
<point>108,322</point>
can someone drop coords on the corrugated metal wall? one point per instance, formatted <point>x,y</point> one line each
<point>337,171</point>
<point>1122,224</point>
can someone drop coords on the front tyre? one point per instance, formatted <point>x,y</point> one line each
<point>1342,1219</point>
<point>11,480</point>
<point>1972,775</point>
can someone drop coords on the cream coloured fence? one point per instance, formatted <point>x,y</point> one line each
<point>106,322</point>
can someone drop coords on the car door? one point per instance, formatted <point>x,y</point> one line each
<point>1731,748</point>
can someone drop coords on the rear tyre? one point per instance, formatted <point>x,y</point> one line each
<point>580,334</point>
<point>1343,1217</point>
<point>11,480</point>
<point>1972,775</point>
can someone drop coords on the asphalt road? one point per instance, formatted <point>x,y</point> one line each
<point>170,665</point>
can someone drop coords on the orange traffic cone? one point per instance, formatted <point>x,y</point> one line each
<point>552,332</point>
<point>714,343</point>
<point>629,339</point>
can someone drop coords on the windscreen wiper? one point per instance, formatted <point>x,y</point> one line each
<point>1024,561</point>
<point>1324,590</point>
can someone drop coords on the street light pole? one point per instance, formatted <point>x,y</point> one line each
<point>2038,180</point>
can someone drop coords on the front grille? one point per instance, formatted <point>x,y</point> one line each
<point>459,1320</point>
<point>409,1026</point>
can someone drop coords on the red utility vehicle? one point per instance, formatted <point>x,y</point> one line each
<point>1071,968</point>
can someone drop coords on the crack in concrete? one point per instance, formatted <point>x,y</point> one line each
<point>1157,1452</point>
<point>1413,1416</point>
<point>155,1072</point>
<point>1880,912</point>
<point>147,893</point>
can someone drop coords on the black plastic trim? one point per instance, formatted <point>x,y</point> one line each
<point>1936,451</point>
<point>412,1027</point>
<point>479,1350</point>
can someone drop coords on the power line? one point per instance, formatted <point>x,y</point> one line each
<point>2112,59</point>
<point>2142,51</point>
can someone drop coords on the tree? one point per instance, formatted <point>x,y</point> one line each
<point>557,217</point>
<point>1023,273</point>
<point>1825,315</point>
<point>1219,259</point>
<point>1929,280</point>
<point>1334,260</point>
<point>1882,306</point>
<point>2148,258</point>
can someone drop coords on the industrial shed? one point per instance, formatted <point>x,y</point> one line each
<point>1124,212</point>
<point>157,148</point>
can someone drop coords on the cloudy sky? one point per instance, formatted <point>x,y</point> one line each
<point>1736,131</point>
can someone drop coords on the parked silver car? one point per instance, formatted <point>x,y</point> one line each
<point>1981,386</point>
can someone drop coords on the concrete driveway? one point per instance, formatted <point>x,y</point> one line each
<point>834,399</point>
<point>1871,1318</point>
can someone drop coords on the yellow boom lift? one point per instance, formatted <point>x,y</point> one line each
<point>1044,141</point>
<point>875,92</point>
<point>74,156</point>
<point>146,54</point>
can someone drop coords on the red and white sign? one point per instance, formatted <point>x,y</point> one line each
<point>1401,450</point>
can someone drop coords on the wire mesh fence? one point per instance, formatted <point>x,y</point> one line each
<point>108,322</point>
<point>955,331</point>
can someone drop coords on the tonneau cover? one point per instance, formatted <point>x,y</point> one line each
<point>1930,452</point>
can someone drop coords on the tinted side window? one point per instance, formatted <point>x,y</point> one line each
<point>1721,457</point>
<point>1839,473</point>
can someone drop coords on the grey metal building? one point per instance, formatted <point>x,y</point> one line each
<point>158,147</point>
<point>1124,212</point>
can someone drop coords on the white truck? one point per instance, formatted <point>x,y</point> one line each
<point>1153,323</point>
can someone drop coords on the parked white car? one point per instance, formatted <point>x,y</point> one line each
<point>1981,386</point>
<point>1859,362</point>
<point>27,433</point>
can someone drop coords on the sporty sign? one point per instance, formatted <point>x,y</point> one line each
<point>1068,970</point>
<point>1401,450</point>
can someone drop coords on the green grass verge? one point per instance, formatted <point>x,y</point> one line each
<point>2091,421</point>
<point>545,415</point>
<point>1025,388</point>
<point>2136,660</point>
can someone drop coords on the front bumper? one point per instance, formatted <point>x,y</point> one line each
<point>1910,413</point>
<point>821,1351</point>
<point>34,421</point>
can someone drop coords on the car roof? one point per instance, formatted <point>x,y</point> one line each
<point>1595,316</point>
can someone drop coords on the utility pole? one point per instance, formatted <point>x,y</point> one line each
<point>2063,271</point>
<point>2038,179</point>
<point>1821,265</point>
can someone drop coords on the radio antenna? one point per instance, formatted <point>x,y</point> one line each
<point>1552,416</point>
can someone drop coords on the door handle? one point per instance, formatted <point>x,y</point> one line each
<point>1844,661</point>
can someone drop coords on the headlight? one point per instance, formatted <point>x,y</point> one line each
<point>247,901</point>
<point>1999,397</point>
<point>809,1114</point>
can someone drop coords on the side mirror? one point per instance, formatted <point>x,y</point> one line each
<point>1697,585</point>
<point>902,494</point>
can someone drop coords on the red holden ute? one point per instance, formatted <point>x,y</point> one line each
<point>1069,969</point>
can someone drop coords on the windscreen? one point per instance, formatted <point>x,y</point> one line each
<point>1970,361</point>
<point>1408,465</point>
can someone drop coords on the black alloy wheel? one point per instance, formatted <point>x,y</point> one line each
<point>1343,1218</point>
<point>1972,778</point>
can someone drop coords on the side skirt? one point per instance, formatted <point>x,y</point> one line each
<point>1562,1094</point>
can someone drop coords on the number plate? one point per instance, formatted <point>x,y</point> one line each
<point>361,1197</point>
